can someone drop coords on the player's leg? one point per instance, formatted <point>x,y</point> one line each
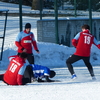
<point>25,80</point>
<point>1,76</point>
<point>28,74</point>
<point>88,64</point>
<point>30,59</point>
<point>70,61</point>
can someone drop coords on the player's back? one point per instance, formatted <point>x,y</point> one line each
<point>11,74</point>
<point>84,44</point>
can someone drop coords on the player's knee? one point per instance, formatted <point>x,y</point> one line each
<point>68,61</point>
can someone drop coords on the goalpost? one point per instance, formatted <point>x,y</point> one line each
<point>2,36</point>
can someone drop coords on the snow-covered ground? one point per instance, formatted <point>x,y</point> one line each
<point>80,89</point>
<point>53,56</point>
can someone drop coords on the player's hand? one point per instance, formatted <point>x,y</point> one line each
<point>40,80</point>
<point>37,51</point>
<point>24,50</point>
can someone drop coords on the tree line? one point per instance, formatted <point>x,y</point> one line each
<point>49,4</point>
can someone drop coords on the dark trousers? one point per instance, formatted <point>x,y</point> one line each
<point>30,58</point>
<point>28,74</point>
<point>75,58</point>
<point>1,78</point>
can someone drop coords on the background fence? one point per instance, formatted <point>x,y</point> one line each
<point>31,8</point>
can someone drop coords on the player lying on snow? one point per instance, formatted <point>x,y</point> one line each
<point>18,73</point>
<point>40,72</point>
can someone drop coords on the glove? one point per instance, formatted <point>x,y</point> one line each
<point>37,50</point>
<point>48,80</point>
<point>40,80</point>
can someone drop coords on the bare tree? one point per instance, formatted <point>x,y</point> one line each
<point>37,4</point>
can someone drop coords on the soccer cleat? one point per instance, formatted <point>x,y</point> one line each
<point>74,76</point>
<point>93,78</point>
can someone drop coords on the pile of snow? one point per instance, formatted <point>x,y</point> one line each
<point>51,55</point>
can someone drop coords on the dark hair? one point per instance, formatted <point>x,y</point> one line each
<point>23,55</point>
<point>52,73</point>
<point>28,25</point>
<point>86,27</point>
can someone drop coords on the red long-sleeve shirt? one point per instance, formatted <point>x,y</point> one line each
<point>83,42</point>
<point>26,40</point>
<point>15,71</point>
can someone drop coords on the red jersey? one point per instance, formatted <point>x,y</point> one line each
<point>15,71</point>
<point>83,42</point>
<point>26,40</point>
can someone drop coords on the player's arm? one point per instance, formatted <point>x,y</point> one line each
<point>20,75</point>
<point>40,80</point>
<point>96,43</point>
<point>47,75</point>
<point>75,40</point>
<point>17,42</point>
<point>48,80</point>
<point>34,44</point>
<point>19,45</point>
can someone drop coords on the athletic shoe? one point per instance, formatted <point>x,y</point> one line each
<point>93,78</point>
<point>74,76</point>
